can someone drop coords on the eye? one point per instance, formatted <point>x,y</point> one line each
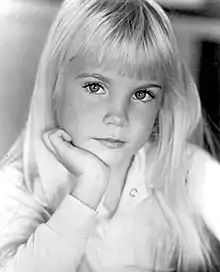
<point>144,95</point>
<point>94,88</point>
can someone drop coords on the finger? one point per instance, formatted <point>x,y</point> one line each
<point>66,139</point>
<point>47,142</point>
<point>62,134</point>
<point>73,158</point>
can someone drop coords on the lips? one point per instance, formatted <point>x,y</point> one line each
<point>111,143</point>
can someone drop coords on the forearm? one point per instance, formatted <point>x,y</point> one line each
<point>57,245</point>
<point>89,193</point>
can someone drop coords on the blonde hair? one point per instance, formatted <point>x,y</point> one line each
<point>136,36</point>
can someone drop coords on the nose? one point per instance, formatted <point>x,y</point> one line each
<point>116,116</point>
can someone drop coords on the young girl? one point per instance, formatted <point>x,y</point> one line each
<point>110,173</point>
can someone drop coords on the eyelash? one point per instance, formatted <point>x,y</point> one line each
<point>88,85</point>
<point>147,92</point>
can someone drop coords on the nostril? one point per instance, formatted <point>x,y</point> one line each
<point>115,119</point>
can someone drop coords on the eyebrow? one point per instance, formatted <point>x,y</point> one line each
<point>109,81</point>
<point>97,76</point>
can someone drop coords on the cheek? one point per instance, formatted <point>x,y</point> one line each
<point>78,117</point>
<point>144,128</point>
<point>143,123</point>
<point>69,114</point>
<point>73,118</point>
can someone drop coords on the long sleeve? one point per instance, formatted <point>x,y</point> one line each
<point>28,243</point>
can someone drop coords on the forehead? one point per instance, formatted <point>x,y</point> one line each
<point>84,64</point>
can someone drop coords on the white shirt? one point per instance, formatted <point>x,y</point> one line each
<point>76,238</point>
<point>125,241</point>
<point>75,235</point>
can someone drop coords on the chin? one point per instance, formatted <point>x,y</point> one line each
<point>111,160</point>
<point>108,156</point>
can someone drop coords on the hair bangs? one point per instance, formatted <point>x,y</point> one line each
<point>126,37</point>
<point>127,58</point>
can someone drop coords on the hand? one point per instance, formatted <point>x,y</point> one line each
<point>92,173</point>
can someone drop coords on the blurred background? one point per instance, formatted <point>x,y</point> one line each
<point>24,25</point>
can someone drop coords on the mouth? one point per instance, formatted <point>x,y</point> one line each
<point>111,143</point>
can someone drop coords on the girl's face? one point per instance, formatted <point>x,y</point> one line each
<point>107,114</point>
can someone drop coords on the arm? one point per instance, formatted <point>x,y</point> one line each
<point>29,242</point>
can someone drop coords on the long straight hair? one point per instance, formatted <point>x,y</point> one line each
<point>136,37</point>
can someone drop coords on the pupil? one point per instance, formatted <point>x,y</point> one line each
<point>94,88</point>
<point>140,95</point>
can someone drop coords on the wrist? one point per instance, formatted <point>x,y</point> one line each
<point>88,198</point>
